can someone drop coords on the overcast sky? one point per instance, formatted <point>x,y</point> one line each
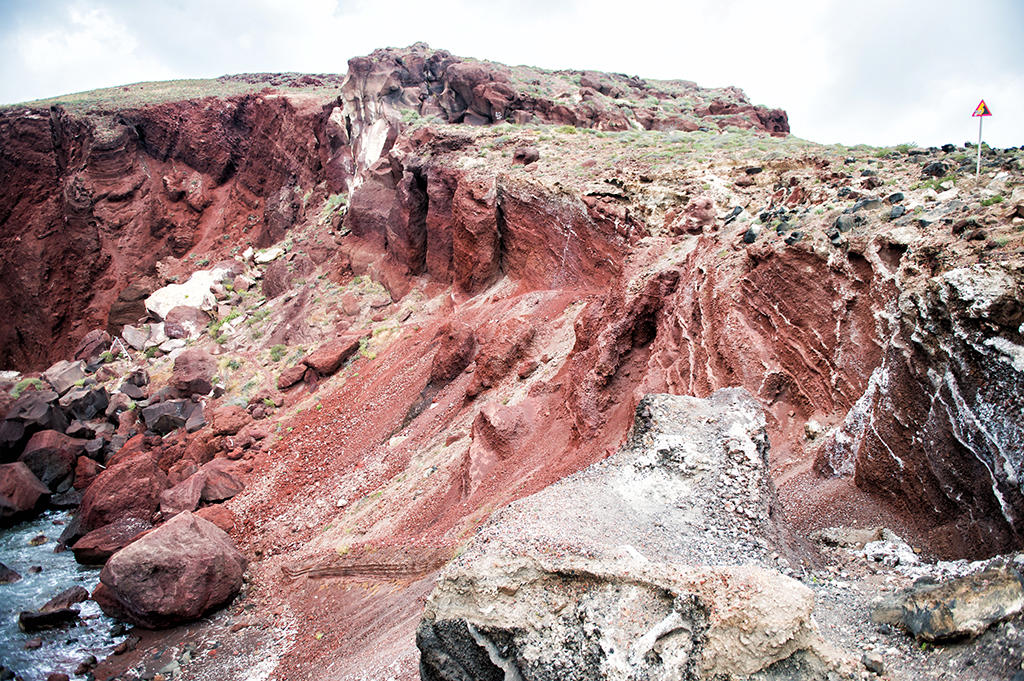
<point>861,71</point>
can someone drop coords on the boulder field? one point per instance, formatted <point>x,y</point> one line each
<point>550,373</point>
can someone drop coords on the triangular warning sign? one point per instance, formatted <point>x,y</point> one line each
<point>982,109</point>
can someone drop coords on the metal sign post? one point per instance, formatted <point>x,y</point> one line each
<point>980,112</point>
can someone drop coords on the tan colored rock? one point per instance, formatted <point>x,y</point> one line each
<point>64,375</point>
<point>662,557</point>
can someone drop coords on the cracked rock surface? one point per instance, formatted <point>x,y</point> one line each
<point>661,562</point>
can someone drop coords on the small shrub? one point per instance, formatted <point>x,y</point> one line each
<point>259,316</point>
<point>23,385</point>
<point>234,364</point>
<point>992,200</point>
<point>368,354</point>
<point>267,402</point>
<point>335,203</point>
<point>277,352</point>
<point>566,129</point>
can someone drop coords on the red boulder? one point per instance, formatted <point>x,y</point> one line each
<point>194,370</point>
<point>86,471</point>
<point>328,358</point>
<point>455,350</point>
<point>100,544</point>
<point>219,514</point>
<point>21,493</point>
<point>182,497</point>
<point>176,573</point>
<point>291,376</point>
<point>221,480</point>
<point>185,322</point>
<point>128,489</point>
<point>229,419</point>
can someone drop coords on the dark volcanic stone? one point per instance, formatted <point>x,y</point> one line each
<point>52,619</point>
<point>165,417</point>
<point>935,169</point>
<point>7,575</point>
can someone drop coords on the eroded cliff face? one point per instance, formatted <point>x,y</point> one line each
<point>93,202</point>
<point>939,424</point>
<point>507,295</point>
<point>98,197</point>
<point>916,365</point>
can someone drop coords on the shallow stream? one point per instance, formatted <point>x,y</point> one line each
<point>62,649</point>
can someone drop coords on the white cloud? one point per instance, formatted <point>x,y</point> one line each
<point>90,49</point>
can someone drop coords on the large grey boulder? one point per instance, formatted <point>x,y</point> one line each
<point>164,417</point>
<point>64,375</point>
<point>52,456</point>
<point>38,410</point>
<point>661,562</point>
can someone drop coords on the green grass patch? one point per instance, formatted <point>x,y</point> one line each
<point>24,384</point>
<point>368,354</point>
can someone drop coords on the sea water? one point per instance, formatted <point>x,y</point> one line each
<point>64,648</point>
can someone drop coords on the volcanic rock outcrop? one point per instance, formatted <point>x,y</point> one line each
<point>940,422</point>
<point>96,200</point>
<point>660,562</point>
<point>345,324</point>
